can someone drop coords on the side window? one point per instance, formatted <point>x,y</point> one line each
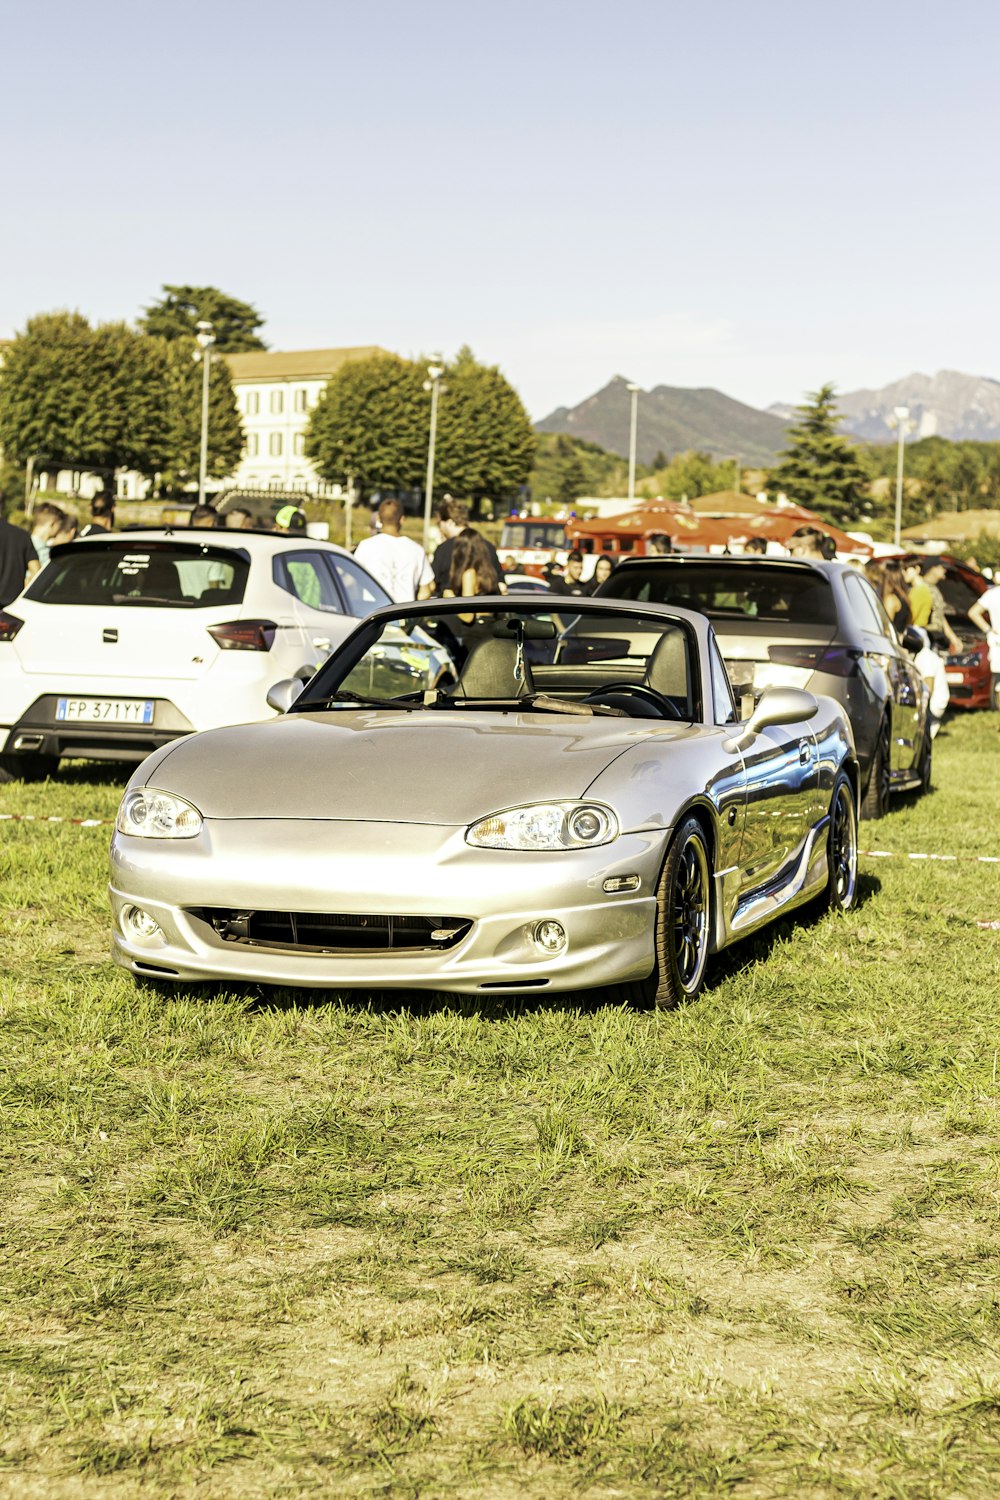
<point>722,691</point>
<point>304,575</point>
<point>361,591</point>
<point>867,607</point>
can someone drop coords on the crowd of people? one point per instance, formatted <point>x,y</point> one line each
<point>465,564</point>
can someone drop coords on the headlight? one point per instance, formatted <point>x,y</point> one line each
<point>546,825</point>
<point>157,815</point>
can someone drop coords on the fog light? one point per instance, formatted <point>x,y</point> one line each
<point>138,923</point>
<point>550,936</point>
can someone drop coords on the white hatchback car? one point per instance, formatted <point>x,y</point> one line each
<point>127,640</point>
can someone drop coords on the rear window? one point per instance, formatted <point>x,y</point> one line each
<point>773,593</point>
<point>161,575</point>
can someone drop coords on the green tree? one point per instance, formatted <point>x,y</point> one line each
<point>183,413</point>
<point>820,468</point>
<point>486,442</point>
<point>83,397</point>
<point>688,475</point>
<point>372,425</point>
<point>181,308</point>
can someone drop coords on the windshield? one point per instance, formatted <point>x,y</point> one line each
<point>533,534</point>
<point>152,574</point>
<point>771,592</point>
<point>517,656</point>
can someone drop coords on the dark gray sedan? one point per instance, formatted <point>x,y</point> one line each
<point>813,625</point>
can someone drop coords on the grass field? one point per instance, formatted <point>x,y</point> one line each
<point>420,1246</point>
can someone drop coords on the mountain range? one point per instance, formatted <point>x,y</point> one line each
<point>674,418</point>
<point>671,419</point>
<point>948,404</point>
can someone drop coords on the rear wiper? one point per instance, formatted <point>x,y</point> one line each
<point>148,599</point>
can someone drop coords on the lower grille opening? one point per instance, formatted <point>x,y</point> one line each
<point>154,968</point>
<point>326,932</point>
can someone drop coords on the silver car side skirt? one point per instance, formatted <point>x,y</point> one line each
<point>806,876</point>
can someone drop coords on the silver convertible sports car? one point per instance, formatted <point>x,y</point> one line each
<point>575,804</point>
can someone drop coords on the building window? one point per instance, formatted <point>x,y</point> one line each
<point>277,403</point>
<point>275,445</point>
<point>300,400</point>
<point>253,403</point>
<point>253,445</point>
<point>299,444</point>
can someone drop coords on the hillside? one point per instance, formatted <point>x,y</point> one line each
<point>672,419</point>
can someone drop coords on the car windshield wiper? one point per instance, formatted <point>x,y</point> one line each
<point>150,599</point>
<point>353,700</point>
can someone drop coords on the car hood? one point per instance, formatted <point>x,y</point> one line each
<point>375,765</point>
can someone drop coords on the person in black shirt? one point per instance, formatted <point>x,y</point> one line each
<point>18,560</point>
<point>571,581</point>
<point>453,521</point>
<point>102,515</point>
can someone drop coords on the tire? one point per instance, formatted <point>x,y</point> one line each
<point>683,926</point>
<point>925,764</point>
<point>842,847</point>
<point>27,767</point>
<point>876,798</point>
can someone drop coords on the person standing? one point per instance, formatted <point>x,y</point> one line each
<point>102,515</point>
<point>47,522</point>
<point>571,581</point>
<point>398,562</point>
<point>603,569</point>
<point>453,522</point>
<point>985,614</point>
<point>930,612</point>
<point>18,560</point>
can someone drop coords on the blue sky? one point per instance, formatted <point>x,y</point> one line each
<point>754,196</point>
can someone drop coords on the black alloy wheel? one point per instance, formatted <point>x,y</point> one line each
<point>876,798</point>
<point>683,926</point>
<point>842,847</point>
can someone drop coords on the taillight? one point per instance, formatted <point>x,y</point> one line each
<point>838,661</point>
<point>9,626</point>
<point>244,635</point>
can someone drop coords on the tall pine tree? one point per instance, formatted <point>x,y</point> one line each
<point>820,468</point>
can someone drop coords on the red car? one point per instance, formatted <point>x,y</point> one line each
<point>968,670</point>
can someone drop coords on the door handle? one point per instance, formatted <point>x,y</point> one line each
<point>322,643</point>
<point>805,752</point>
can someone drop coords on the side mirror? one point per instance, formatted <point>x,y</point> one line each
<point>912,640</point>
<point>283,694</point>
<point>778,705</point>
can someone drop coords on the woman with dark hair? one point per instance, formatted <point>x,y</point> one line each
<point>890,585</point>
<point>472,570</point>
<point>603,570</point>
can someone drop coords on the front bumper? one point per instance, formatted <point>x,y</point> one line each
<point>376,868</point>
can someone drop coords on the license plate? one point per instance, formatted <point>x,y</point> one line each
<point>106,710</point>
<point>953,677</point>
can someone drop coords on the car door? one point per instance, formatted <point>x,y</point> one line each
<point>886,661</point>
<point>782,803</point>
<point>316,601</point>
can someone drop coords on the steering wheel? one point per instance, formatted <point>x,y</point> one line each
<point>639,690</point>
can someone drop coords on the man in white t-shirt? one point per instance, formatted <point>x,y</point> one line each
<point>986,614</point>
<point>400,564</point>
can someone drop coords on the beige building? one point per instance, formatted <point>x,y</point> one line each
<point>275,392</point>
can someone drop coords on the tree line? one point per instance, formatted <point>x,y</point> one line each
<point>111,396</point>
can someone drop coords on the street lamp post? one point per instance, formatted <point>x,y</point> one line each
<point>432,384</point>
<point>899,420</point>
<point>206,338</point>
<point>633,428</point>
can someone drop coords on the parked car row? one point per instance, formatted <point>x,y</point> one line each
<point>125,642</point>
